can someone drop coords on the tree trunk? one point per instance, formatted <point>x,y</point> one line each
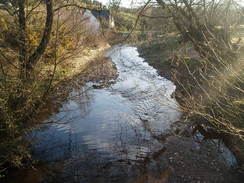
<point>22,37</point>
<point>27,63</point>
<point>46,35</point>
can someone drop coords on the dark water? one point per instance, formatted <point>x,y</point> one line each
<point>102,135</point>
<point>114,134</point>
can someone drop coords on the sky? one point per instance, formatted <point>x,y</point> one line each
<point>130,3</point>
<point>125,3</point>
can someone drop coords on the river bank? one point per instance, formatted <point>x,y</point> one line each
<point>90,66</point>
<point>161,56</point>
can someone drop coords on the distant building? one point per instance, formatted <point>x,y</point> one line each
<point>104,15</point>
<point>93,24</point>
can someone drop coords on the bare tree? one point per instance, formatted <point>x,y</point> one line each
<point>213,95</point>
<point>22,10</point>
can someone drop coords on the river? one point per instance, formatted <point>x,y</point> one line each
<point>112,133</point>
<point>97,127</point>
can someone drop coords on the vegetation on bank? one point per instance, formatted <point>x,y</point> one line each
<point>206,63</point>
<point>124,21</point>
<point>39,45</point>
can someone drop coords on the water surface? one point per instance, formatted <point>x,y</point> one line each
<point>100,135</point>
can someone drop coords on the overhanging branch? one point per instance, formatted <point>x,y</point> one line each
<point>77,6</point>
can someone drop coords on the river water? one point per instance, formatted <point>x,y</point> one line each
<point>102,135</point>
<point>120,130</point>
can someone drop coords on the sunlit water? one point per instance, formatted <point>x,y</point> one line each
<point>97,130</point>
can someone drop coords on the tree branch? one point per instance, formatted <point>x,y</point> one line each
<point>137,19</point>
<point>32,9</point>
<point>148,16</point>
<point>77,6</point>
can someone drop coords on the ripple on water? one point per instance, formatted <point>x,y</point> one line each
<point>97,126</point>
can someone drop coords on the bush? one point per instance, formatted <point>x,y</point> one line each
<point>22,99</point>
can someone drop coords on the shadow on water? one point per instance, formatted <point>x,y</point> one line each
<point>109,134</point>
